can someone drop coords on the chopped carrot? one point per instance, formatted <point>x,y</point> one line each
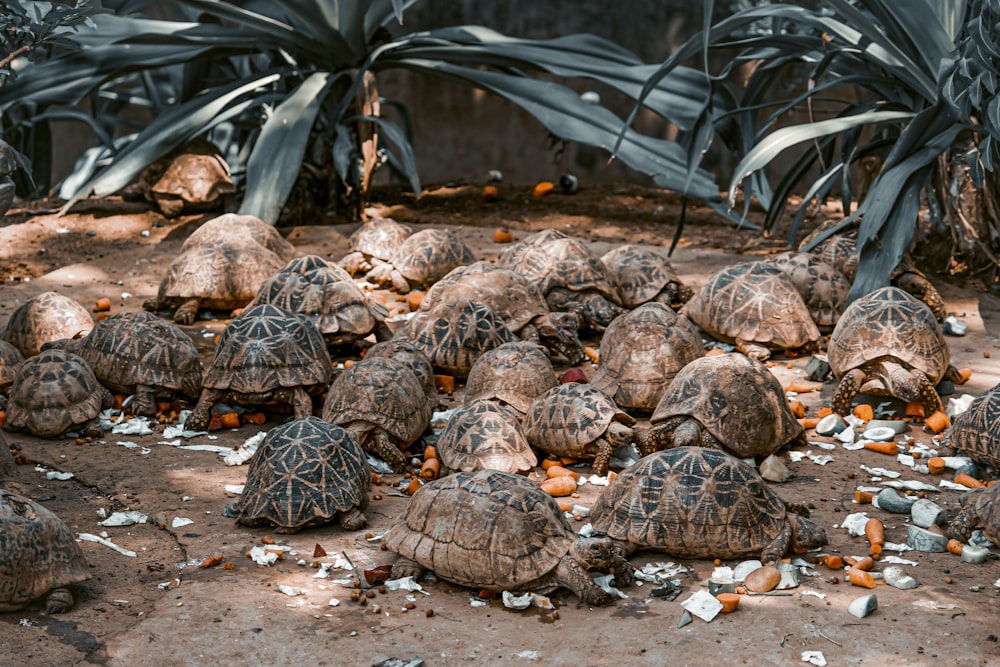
<point>558,471</point>
<point>915,410</point>
<point>730,601</point>
<point>501,235</point>
<point>864,412</point>
<point>955,547</point>
<point>543,188</point>
<point>798,408</point>
<point>592,354</point>
<point>211,561</point>
<point>445,383</point>
<point>430,469</point>
<point>935,465</point>
<point>490,193</point>
<point>937,422</point>
<point>834,562</point>
<point>229,420</point>
<point>567,461</point>
<point>808,422</point>
<point>860,578</point>
<point>430,452</point>
<point>414,299</point>
<point>801,387</point>
<point>413,486</point>
<point>863,497</point>
<point>865,563</point>
<point>875,532</point>
<point>548,463</point>
<point>964,374</point>
<point>103,305</point>
<point>882,447</point>
<point>823,412</point>
<point>968,481</point>
<point>256,418</point>
<point>559,486</point>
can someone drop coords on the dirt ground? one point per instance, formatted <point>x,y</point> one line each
<point>159,607</point>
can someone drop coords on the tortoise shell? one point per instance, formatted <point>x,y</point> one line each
<point>976,432</point>
<point>10,362</point>
<point>514,373</point>
<point>410,356</point>
<point>735,398</point>
<point>693,502</point>
<point>428,255</point>
<point>485,529</point>
<point>130,349</point>
<point>567,419</point>
<point>484,435</point>
<point>266,348</point>
<point>242,228</point>
<point>379,238</point>
<point>454,335</point>
<point>196,178</point>
<point>642,351</point>
<point>550,259</point>
<point>980,509</point>
<point>753,302</point>
<point>889,323</point>
<point>38,554</point>
<point>305,473</point>
<point>823,288</point>
<point>43,318</point>
<point>641,274</point>
<point>54,391</point>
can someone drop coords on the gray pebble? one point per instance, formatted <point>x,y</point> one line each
<point>864,605</point>
<point>890,501</point>
<point>830,425</point>
<point>922,539</point>
<point>925,513</point>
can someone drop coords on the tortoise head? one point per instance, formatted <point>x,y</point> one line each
<point>593,552</point>
<point>805,534</point>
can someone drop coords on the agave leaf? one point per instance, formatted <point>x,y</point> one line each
<point>404,154</point>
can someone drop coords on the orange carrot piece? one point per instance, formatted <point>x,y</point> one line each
<point>955,547</point>
<point>937,422</point>
<point>860,578</point>
<point>875,532</point>
<point>935,465</point>
<point>864,411</point>
<point>558,471</point>
<point>430,469</point>
<point>823,412</point>
<point>968,481</point>
<point>548,463</point>
<point>801,387</point>
<point>559,486</point>
<point>808,422</point>
<point>543,188</point>
<point>863,497</point>
<point>882,447</point>
<point>430,452</point>
<point>798,408</point>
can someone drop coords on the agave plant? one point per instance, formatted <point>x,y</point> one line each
<point>285,77</point>
<point>912,84</point>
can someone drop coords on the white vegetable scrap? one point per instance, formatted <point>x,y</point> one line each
<point>128,518</point>
<point>846,436</point>
<point>217,449</point>
<point>821,596</point>
<point>880,472</point>
<point>405,584</point>
<point>952,486</point>
<point>659,572</point>
<point>87,537</point>
<point>896,560</point>
<point>821,460</point>
<point>245,451</point>
<point>896,546</point>
<point>180,522</point>
<point>179,431</point>
<point>604,582</point>
<point>910,485</point>
<point>520,602</point>
<point>596,480</point>
<point>133,445</point>
<point>704,605</point>
<point>855,523</point>
<point>814,658</point>
<point>235,488</point>
<point>290,591</point>
<point>823,445</point>
<point>134,426</point>
<point>263,556</point>
<point>852,446</point>
<point>587,530</point>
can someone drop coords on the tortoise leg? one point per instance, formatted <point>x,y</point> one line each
<point>920,287</point>
<point>774,551</point>
<point>352,519</point>
<point>570,573</point>
<point>301,402</point>
<point>929,398</point>
<point>187,312</point>
<point>846,391</point>
<point>599,309</point>
<point>604,451</point>
<point>399,283</point>
<point>382,446</point>
<point>404,567</point>
<point>753,350</point>
<point>688,432</point>
<point>92,429</point>
<point>960,528</point>
<point>653,439</point>
<point>59,600</point>
<point>202,412</point>
<point>953,375</point>
<point>145,401</point>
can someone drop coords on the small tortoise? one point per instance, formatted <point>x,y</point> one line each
<point>410,356</point>
<point>47,317</point>
<point>823,288</point>
<point>56,391</point>
<point>38,556</point>
<point>6,460</point>
<point>568,274</point>
<point>242,228</point>
<point>377,239</point>
<point>382,402</point>
<point>693,502</point>
<point>484,435</point>
<point>139,353</point>
<point>755,306</point>
<point>194,177</point>
<point>892,339</point>
<point>326,294</point>
<point>980,509</point>
<point>421,260</point>
<point>266,355</point>
<point>455,334</point>
<point>7,168</point>
<point>515,374</point>
<point>642,351</point>
<point>976,432</point>
<point>514,299</point>
<point>496,531</point>
<point>578,421</point>
<point>10,363</point>
<point>729,402</point>
<point>641,275</point>
<point>306,473</point>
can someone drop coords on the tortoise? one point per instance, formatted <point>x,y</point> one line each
<point>411,356</point>
<point>496,531</point>
<point>755,306</point>
<point>514,374</point>
<point>46,317</point>
<point>139,353</point>
<point>729,402</point>
<point>421,260</point>
<point>641,275</point>
<point>242,227</point>
<point>376,239</point>
<point>383,403</point>
<point>976,432</point>
<point>514,299</point>
<point>892,339</point>
<point>642,351</point>
<point>6,460</point>
<point>193,177</point>
<point>980,509</point>
<point>326,294</point>
<point>39,556</point>
<point>484,435</point>
<point>567,273</point>
<point>8,165</point>
<point>306,473</point>
<point>576,420</point>
<point>10,363</point>
<point>823,288</point>
<point>266,355</point>
<point>455,334</point>
<point>694,502</point>
<point>53,392</point>
<point>221,275</point>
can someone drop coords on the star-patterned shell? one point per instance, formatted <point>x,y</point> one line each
<point>484,435</point>
<point>976,432</point>
<point>514,373</point>
<point>428,255</point>
<point>823,288</point>
<point>567,419</point>
<point>53,391</point>
<point>641,274</point>
<point>44,318</point>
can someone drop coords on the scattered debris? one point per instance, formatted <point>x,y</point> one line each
<point>244,452</point>
<point>87,537</point>
<point>704,605</point>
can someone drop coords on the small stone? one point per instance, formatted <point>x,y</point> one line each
<point>952,326</point>
<point>591,97</point>
<point>889,500</point>
<point>922,539</point>
<point>975,555</point>
<point>863,606</point>
<point>830,425</point>
<point>790,576</point>
<point>763,579</point>
<point>741,571</point>
<point>818,367</point>
<point>926,513</point>
<point>686,618</point>
<point>881,434</point>
<point>895,577</point>
<point>897,425</point>
<point>773,469</point>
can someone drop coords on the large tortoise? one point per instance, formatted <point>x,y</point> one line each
<point>410,356</point>
<point>484,435</point>
<point>266,355</point>
<point>39,556</point>
<point>326,294</point>
<point>306,473</point>
<point>823,288</point>
<point>43,318</point>
<point>139,353</point>
<point>980,509</point>
<point>976,432</point>
<point>421,260</point>
<point>194,177</point>
<point>56,391</point>
<point>518,302</point>
<point>729,402</point>
<point>893,340</point>
<point>693,502</point>
<point>241,227</point>
<point>567,273</point>
<point>642,351</point>
<point>496,531</point>
<point>641,275</point>
<point>576,420</point>
<point>514,374</point>
<point>376,239</point>
<point>383,403</point>
<point>755,306</point>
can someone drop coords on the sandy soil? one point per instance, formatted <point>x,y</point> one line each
<point>160,608</point>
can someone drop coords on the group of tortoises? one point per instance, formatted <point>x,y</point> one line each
<point>692,494</point>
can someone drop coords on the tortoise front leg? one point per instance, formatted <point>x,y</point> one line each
<point>405,567</point>
<point>753,350</point>
<point>382,446</point>
<point>59,600</point>
<point>572,575</point>
<point>202,412</point>
<point>929,398</point>
<point>846,391</point>
<point>774,551</point>
<point>603,458</point>
<point>144,402</point>
<point>960,528</point>
<point>301,402</point>
<point>187,312</point>
<point>352,519</point>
